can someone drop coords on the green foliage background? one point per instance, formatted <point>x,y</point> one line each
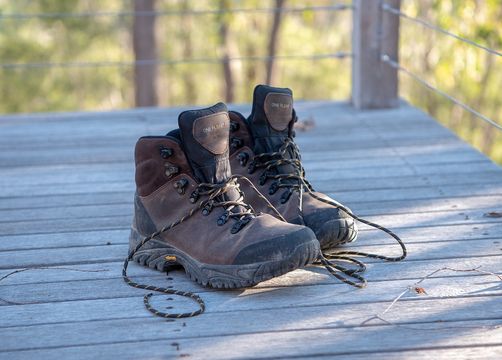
<point>468,73</point>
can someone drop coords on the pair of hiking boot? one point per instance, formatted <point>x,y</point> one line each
<point>226,198</point>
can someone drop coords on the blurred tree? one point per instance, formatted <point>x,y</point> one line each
<point>182,33</point>
<point>224,29</point>
<point>470,74</point>
<point>272,44</point>
<point>145,52</point>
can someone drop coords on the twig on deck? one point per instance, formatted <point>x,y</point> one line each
<point>9,302</point>
<point>49,268</point>
<point>415,287</point>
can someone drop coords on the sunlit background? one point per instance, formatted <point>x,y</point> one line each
<point>85,62</point>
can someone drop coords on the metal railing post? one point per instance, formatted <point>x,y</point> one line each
<point>375,32</point>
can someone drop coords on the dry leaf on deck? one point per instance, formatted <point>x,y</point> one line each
<point>420,291</point>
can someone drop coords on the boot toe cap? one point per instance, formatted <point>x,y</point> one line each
<point>300,244</point>
<point>332,227</point>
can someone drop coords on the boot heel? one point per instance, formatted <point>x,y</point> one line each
<point>134,238</point>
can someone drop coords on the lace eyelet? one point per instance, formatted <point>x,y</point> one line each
<point>180,186</point>
<point>222,220</point>
<point>240,224</point>
<point>243,158</point>
<point>285,196</point>
<point>171,169</point>
<point>165,152</point>
<point>194,196</point>
<point>207,208</point>
<point>273,188</point>
<point>263,179</point>
<point>234,126</point>
<point>235,142</point>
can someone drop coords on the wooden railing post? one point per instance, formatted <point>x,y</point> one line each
<point>145,49</point>
<point>375,32</point>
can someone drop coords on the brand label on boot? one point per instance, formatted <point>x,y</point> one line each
<point>212,131</point>
<point>279,110</point>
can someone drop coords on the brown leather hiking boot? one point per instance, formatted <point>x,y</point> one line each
<point>187,198</point>
<point>262,148</point>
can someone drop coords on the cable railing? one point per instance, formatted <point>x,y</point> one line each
<point>191,12</point>
<point>384,56</point>
<point>395,65</point>
<point>386,59</point>
<point>205,60</point>
<point>390,9</point>
<point>156,13</point>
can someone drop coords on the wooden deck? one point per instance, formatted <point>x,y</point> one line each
<point>66,200</point>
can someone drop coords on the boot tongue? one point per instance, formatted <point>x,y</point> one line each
<point>271,118</point>
<point>204,134</point>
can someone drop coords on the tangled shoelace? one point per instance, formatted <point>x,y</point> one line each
<point>296,182</point>
<point>215,198</point>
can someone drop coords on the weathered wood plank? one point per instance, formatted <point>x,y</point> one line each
<point>329,185</point>
<point>122,150</point>
<point>113,172</point>
<point>123,132</point>
<point>126,137</point>
<point>112,299</point>
<point>386,194</point>
<point>320,292</point>
<point>346,316</point>
<point>341,158</point>
<point>361,208</point>
<point>84,123</point>
<point>479,352</point>
<point>285,344</point>
<point>404,221</point>
<point>121,214</point>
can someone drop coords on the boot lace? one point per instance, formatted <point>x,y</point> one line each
<point>213,196</point>
<point>289,154</point>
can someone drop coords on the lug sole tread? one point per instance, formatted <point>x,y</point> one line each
<point>222,276</point>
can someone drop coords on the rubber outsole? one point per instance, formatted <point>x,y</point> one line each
<point>336,232</point>
<point>159,255</point>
